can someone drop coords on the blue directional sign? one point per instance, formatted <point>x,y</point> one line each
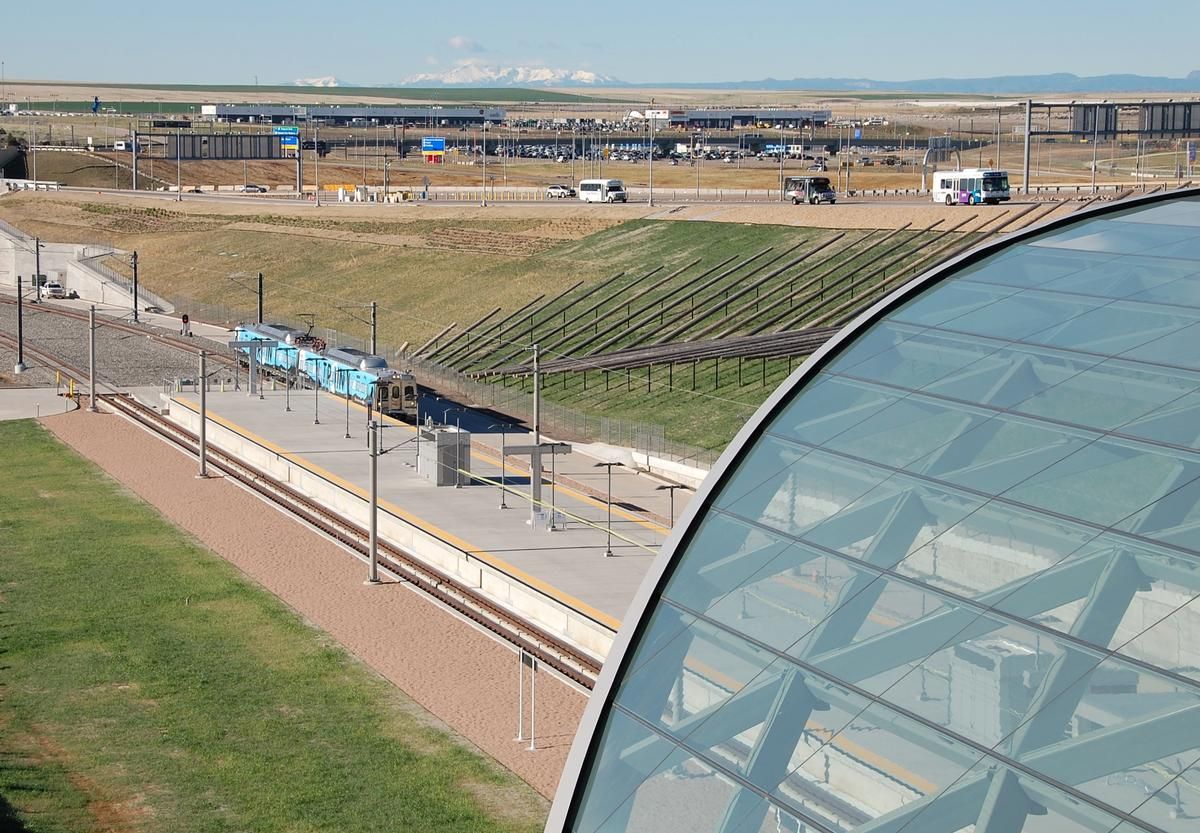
<point>433,144</point>
<point>284,130</point>
<point>289,141</point>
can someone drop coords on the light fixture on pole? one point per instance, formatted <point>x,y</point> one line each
<point>671,487</point>
<point>314,360</point>
<point>503,426</point>
<point>346,371</point>
<point>458,412</point>
<point>608,544</point>
<point>287,381</point>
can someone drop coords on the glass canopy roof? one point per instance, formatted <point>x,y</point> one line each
<point>951,583</point>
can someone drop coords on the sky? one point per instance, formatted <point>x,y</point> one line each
<point>369,42</point>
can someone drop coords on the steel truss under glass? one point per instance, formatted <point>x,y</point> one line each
<point>947,578</point>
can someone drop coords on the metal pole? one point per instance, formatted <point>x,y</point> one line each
<point>317,163</point>
<point>535,459</point>
<point>520,694</point>
<point>483,133</point>
<point>203,381</point>
<point>1095,139</point>
<point>458,450</point>
<point>1028,129</point>
<point>260,297</point>
<point>651,201</point>
<point>608,544</point>
<point>133,151</point>
<point>553,474</point>
<point>347,405</point>
<point>374,329</point>
<point>91,357</point>
<point>316,399</point>
<point>178,167</point>
<point>20,366</point>
<point>134,261</point>
<point>532,703</point>
<point>373,571</point>
<point>781,161</point>
<point>37,268</point>
<point>503,465</point>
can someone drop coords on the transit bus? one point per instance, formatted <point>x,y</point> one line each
<point>970,186</point>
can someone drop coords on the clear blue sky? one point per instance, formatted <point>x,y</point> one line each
<point>366,42</point>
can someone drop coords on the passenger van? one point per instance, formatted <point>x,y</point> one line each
<point>809,189</point>
<point>602,190</point>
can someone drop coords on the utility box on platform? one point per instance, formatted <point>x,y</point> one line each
<point>445,455</point>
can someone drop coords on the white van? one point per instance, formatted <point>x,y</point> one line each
<point>602,190</point>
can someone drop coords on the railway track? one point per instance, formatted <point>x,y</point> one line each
<point>179,343</point>
<point>447,590</point>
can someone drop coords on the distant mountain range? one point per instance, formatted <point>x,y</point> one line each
<point>473,74</point>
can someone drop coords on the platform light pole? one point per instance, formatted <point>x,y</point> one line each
<point>503,426</point>
<point>535,459</point>
<point>347,371</point>
<point>316,389</point>
<point>608,544</point>
<point>287,382</point>
<point>671,487</point>
<point>458,412</point>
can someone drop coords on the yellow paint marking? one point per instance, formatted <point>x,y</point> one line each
<point>434,530</point>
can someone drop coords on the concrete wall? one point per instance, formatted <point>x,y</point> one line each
<point>545,611</point>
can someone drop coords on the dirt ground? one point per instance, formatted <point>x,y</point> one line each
<point>461,676</point>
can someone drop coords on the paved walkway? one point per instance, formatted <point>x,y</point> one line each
<point>30,403</point>
<point>571,558</point>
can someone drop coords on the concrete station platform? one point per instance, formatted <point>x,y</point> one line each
<point>568,565</point>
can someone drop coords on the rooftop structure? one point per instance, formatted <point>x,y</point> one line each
<point>946,578</point>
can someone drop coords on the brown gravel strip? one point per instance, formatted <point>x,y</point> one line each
<point>464,678</point>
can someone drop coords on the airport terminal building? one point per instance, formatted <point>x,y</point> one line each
<point>947,578</point>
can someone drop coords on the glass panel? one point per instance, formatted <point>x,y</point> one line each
<point>697,674</point>
<point>1116,328</point>
<point>683,794</point>
<point>1127,277</point>
<point>1178,349</point>
<point>921,358</point>
<point>1182,212</point>
<point>1117,237</point>
<point>627,753</point>
<point>1033,266</point>
<point>1103,483</point>
<point>830,406</point>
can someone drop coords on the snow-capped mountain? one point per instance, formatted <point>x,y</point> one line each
<point>324,81</point>
<point>470,74</point>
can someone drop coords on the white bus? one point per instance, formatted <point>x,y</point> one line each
<point>970,186</point>
<point>602,190</point>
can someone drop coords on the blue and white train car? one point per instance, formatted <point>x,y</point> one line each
<point>284,355</point>
<point>341,370</point>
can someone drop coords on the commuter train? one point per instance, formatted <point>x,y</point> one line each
<point>341,370</point>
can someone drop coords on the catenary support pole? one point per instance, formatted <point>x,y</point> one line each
<point>20,366</point>
<point>374,329</point>
<point>37,268</point>
<point>1028,128</point>
<point>133,260</point>
<point>373,527</point>
<point>535,459</point>
<point>203,382</point>
<point>260,297</point>
<point>92,358</point>
<point>520,694</point>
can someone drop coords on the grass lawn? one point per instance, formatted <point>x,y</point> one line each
<point>148,686</point>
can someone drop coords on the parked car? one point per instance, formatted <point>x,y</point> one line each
<point>54,289</point>
<point>559,191</point>
<point>254,189</point>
